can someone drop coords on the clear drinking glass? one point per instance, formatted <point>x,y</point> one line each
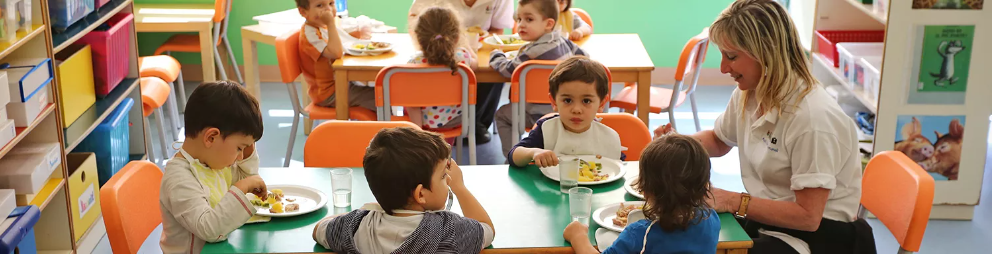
<point>568,174</point>
<point>341,183</point>
<point>580,204</point>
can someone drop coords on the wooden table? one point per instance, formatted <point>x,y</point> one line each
<point>527,209</point>
<point>181,18</point>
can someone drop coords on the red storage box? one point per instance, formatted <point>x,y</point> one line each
<point>111,60</point>
<point>827,40</point>
<point>101,3</point>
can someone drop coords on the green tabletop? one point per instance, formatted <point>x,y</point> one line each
<point>527,209</point>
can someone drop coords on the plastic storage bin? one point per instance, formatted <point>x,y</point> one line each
<point>64,13</point>
<point>84,191</point>
<point>110,142</point>
<point>870,75</point>
<point>75,74</point>
<point>28,167</point>
<point>851,52</point>
<point>827,39</point>
<point>18,236</point>
<point>110,52</point>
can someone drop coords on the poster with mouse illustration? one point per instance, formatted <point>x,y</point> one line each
<point>943,64</point>
<point>934,142</point>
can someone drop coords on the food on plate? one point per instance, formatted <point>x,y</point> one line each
<point>292,207</point>
<point>599,156</point>
<point>370,46</point>
<point>255,201</point>
<point>591,171</point>
<point>477,30</point>
<point>621,219</point>
<point>512,40</point>
<point>276,208</point>
<point>290,200</point>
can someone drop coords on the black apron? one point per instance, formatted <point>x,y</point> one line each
<point>831,237</point>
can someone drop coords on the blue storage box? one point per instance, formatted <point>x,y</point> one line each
<point>109,141</point>
<point>19,236</point>
<point>66,12</point>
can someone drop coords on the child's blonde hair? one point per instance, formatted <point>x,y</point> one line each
<point>763,30</point>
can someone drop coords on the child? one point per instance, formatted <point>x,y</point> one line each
<point>319,47</point>
<point>198,201</point>
<point>570,24</point>
<point>578,87</point>
<point>536,20</point>
<point>674,177</point>
<point>438,32</point>
<point>409,172</point>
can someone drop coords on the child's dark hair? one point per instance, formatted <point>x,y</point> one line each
<point>397,160</point>
<point>674,177</point>
<point>547,8</point>
<point>580,68</point>
<point>305,4</point>
<point>438,33</point>
<point>224,105</point>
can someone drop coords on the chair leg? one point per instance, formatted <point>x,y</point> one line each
<point>695,112</point>
<point>234,62</point>
<point>181,92</point>
<point>220,63</point>
<point>472,159</point>
<point>292,140</point>
<point>149,146</point>
<point>161,132</point>
<point>174,114</point>
<point>671,119</point>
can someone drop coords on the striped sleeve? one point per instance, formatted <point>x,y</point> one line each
<point>471,235</point>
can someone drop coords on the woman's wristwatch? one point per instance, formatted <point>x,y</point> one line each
<point>742,210</point>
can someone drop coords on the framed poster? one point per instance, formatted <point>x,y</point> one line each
<point>948,4</point>
<point>942,64</point>
<point>934,142</point>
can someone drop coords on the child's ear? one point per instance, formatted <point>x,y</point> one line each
<point>303,12</point>
<point>602,104</point>
<point>549,24</point>
<point>554,103</point>
<point>420,195</point>
<point>210,136</point>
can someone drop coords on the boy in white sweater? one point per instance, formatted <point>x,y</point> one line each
<point>202,197</point>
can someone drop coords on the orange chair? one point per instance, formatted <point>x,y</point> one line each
<point>154,94</point>
<point>403,85</point>
<point>663,99</point>
<point>129,201</point>
<point>634,135</point>
<point>900,194</point>
<point>191,42</point>
<point>532,78</point>
<point>577,11</point>
<point>342,143</point>
<point>287,52</point>
<point>169,70</point>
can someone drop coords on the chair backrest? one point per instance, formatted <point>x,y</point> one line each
<point>288,55</point>
<point>343,143</point>
<point>221,10</point>
<point>691,60</point>
<point>422,85</point>
<point>900,193</point>
<point>533,77</point>
<point>130,204</point>
<point>584,16</point>
<point>634,135</point>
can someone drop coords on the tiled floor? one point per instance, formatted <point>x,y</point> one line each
<point>942,236</point>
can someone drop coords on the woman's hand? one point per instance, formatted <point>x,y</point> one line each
<point>724,201</point>
<point>663,130</point>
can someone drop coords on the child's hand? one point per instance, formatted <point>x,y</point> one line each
<point>576,231</point>
<point>663,130</point>
<point>495,51</point>
<point>327,16</point>
<point>545,158</point>
<point>253,184</point>
<point>455,179</point>
<point>576,35</point>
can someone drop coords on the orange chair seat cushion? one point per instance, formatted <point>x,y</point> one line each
<point>326,113</point>
<point>660,98</point>
<point>181,43</point>
<point>154,93</point>
<point>161,66</point>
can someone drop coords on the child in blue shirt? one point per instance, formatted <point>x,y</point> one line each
<point>674,177</point>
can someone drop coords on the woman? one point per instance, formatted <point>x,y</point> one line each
<point>493,16</point>
<point>798,150</point>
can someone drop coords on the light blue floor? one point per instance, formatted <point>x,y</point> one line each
<point>973,236</point>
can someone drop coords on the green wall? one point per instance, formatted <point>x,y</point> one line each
<point>664,25</point>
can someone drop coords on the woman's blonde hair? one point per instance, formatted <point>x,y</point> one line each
<point>763,30</point>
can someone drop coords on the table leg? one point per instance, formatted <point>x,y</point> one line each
<point>643,95</point>
<point>307,121</point>
<point>207,56</point>
<point>341,94</point>
<point>250,49</point>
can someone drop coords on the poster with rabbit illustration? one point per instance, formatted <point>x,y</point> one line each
<point>934,142</point>
<point>945,58</point>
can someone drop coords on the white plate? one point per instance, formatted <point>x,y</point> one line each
<point>630,189</point>
<point>604,215</point>
<point>349,48</point>
<point>309,199</point>
<point>491,41</point>
<point>613,167</point>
